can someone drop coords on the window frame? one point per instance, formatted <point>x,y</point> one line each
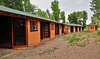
<point>33,26</point>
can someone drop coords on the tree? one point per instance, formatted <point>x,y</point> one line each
<point>63,16</point>
<point>48,13</point>
<point>72,18</point>
<point>41,13</point>
<point>55,9</point>
<point>95,7</point>
<point>17,4</point>
<point>79,17</point>
<point>94,19</point>
<point>84,18</point>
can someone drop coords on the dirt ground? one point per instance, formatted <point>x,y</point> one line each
<point>58,48</point>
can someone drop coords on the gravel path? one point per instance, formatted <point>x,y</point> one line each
<point>59,49</point>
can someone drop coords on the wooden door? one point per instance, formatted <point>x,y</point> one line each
<point>46,30</point>
<point>56,29</point>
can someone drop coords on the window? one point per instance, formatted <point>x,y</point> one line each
<point>33,26</point>
<point>52,26</point>
<point>92,27</point>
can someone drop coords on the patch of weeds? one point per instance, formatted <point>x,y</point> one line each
<point>30,52</point>
<point>73,38</point>
<point>5,53</point>
<point>54,56</point>
<point>68,46</point>
<point>48,51</point>
<point>79,35</point>
<point>35,53</point>
<point>72,44</point>
<point>98,33</point>
<point>24,56</point>
<point>82,38</point>
<point>54,48</point>
<point>88,36</point>
<point>99,52</point>
<point>99,40</point>
<point>81,44</point>
<point>96,41</point>
<point>40,50</point>
<point>87,40</point>
<point>65,38</point>
<point>74,35</point>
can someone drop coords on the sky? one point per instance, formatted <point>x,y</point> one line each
<point>69,6</point>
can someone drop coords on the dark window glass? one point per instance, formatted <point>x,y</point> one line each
<point>33,26</point>
<point>92,27</point>
<point>52,26</point>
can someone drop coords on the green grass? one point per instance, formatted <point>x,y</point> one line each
<point>87,31</point>
<point>73,39</point>
<point>48,51</point>
<point>81,44</point>
<point>98,32</point>
<point>5,53</point>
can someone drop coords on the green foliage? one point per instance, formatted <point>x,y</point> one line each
<point>48,13</point>
<point>41,13</point>
<point>72,18</point>
<point>95,6</point>
<point>63,16</point>
<point>17,4</point>
<point>76,17</point>
<point>84,18</point>
<point>55,9</point>
<point>94,19</point>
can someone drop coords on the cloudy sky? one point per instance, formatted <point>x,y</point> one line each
<point>68,6</point>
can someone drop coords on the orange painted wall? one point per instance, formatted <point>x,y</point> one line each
<point>74,28</point>
<point>78,29</point>
<point>67,29</point>
<point>34,36</point>
<point>89,28</point>
<point>52,32</point>
<point>60,29</point>
<point>81,28</point>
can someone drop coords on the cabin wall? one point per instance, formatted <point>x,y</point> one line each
<point>34,36</point>
<point>78,29</point>
<point>66,29</point>
<point>89,28</point>
<point>74,28</point>
<point>60,29</point>
<point>81,28</point>
<point>52,32</point>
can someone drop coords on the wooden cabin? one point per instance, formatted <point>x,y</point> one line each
<point>20,29</point>
<point>92,27</point>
